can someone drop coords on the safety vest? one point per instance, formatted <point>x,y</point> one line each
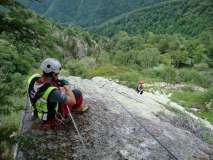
<point>41,104</point>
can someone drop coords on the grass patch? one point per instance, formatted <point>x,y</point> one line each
<point>187,98</point>
<point>125,75</point>
<point>206,115</point>
<point>106,70</point>
<point>200,100</point>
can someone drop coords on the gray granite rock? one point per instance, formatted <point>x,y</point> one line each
<point>110,133</point>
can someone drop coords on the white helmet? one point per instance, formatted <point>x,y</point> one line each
<point>51,65</point>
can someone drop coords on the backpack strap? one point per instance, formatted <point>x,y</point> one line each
<point>31,81</point>
<point>48,91</point>
<point>37,76</point>
<point>41,92</point>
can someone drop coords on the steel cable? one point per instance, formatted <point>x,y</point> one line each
<point>142,126</point>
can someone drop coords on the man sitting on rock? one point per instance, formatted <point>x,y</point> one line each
<point>51,96</point>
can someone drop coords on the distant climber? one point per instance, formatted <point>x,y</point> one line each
<point>51,96</point>
<point>140,87</point>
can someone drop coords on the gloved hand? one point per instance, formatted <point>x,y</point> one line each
<point>62,82</point>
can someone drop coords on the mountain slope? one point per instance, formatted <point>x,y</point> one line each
<point>109,132</point>
<point>177,16</point>
<point>85,12</point>
<point>36,5</point>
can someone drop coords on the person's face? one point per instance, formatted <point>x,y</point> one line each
<point>55,76</point>
<point>140,85</point>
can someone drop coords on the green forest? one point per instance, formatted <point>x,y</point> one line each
<point>85,13</point>
<point>175,16</point>
<point>169,41</point>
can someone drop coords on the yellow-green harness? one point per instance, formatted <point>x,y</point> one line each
<point>41,105</point>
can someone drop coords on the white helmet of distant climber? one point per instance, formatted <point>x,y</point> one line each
<point>51,65</point>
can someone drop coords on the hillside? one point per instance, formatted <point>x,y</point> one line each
<point>177,16</point>
<point>110,132</point>
<point>85,12</point>
<point>25,40</point>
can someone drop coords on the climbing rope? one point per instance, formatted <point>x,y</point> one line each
<point>126,95</point>
<point>77,130</point>
<point>142,126</point>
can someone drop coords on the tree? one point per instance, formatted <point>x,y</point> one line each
<point>179,58</point>
<point>148,57</point>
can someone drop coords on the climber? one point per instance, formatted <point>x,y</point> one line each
<point>140,87</point>
<point>51,96</point>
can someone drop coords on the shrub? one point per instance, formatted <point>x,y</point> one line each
<point>166,59</point>
<point>121,57</point>
<point>193,76</point>
<point>131,77</point>
<point>188,75</point>
<point>166,73</point>
<point>108,70</point>
<point>180,58</point>
<point>88,62</point>
<point>208,97</point>
<point>207,136</point>
<point>76,67</point>
<point>104,57</point>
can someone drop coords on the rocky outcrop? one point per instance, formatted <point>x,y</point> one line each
<point>72,46</point>
<point>111,133</point>
<point>79,49</point>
